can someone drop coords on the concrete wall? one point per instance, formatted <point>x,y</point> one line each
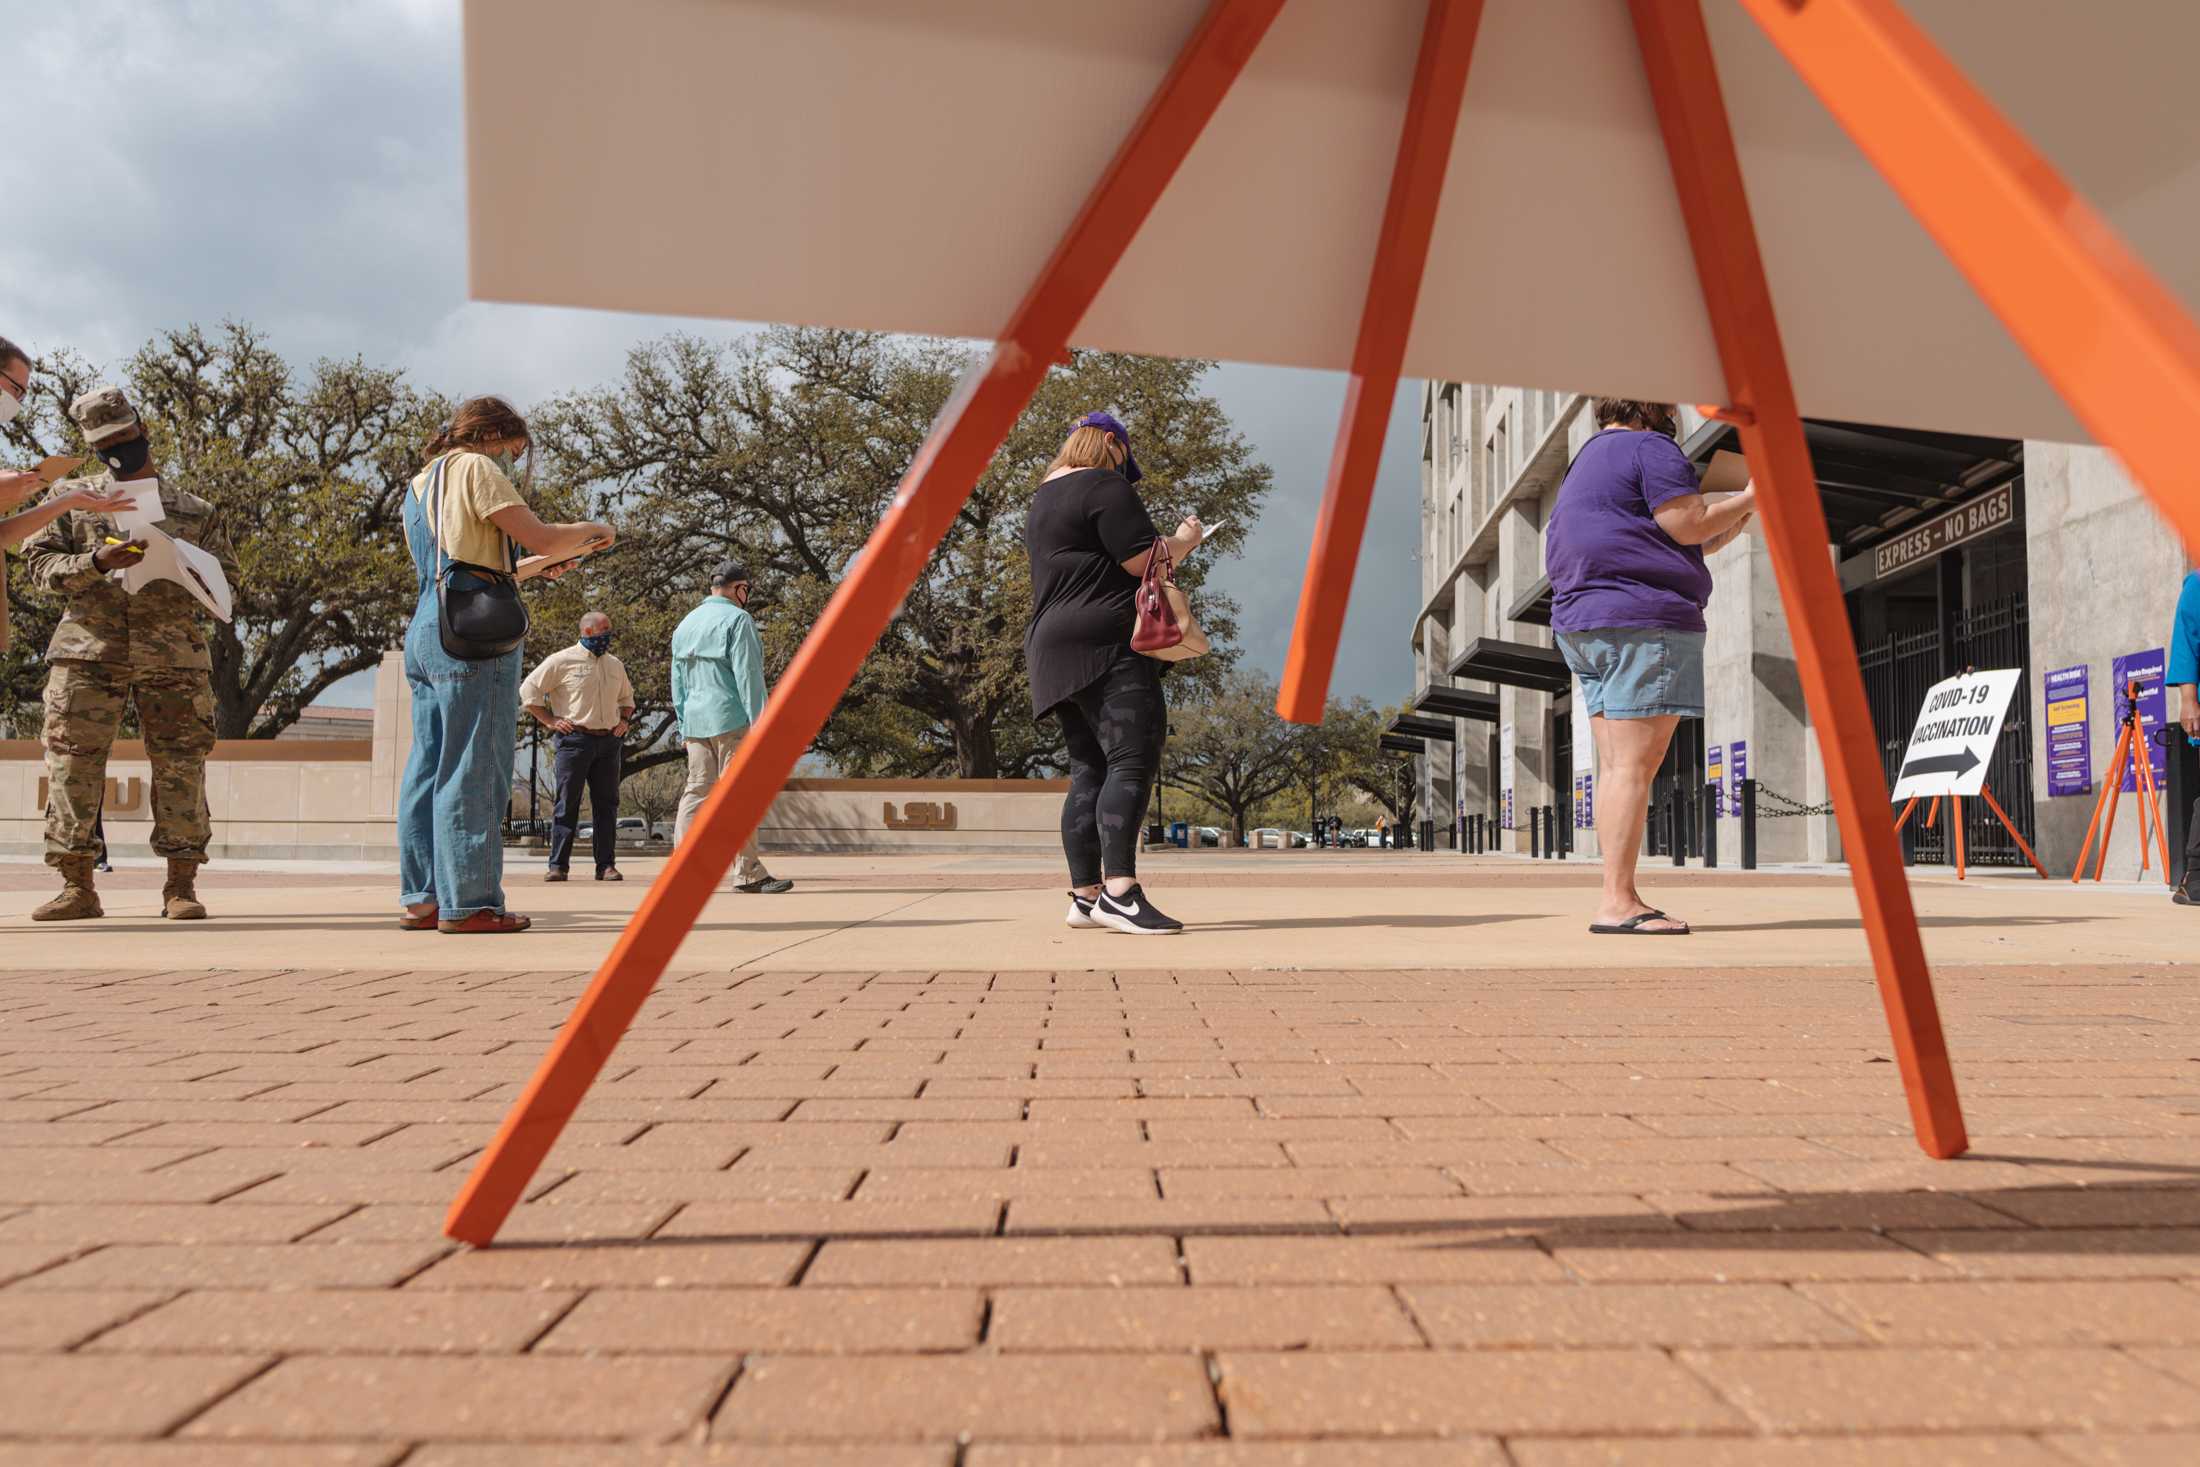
<point>973,815</point>
<point>2104,572</point>
<point>275,799</point>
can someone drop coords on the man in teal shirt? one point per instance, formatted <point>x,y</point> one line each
<point>717,692</point>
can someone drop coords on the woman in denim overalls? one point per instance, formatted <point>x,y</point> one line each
<point>451,803</point>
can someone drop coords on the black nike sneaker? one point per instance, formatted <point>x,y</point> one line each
<point>1080,912</point>
<point>1132,913</point>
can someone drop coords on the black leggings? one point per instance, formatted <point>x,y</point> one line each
<point>1114,728</point>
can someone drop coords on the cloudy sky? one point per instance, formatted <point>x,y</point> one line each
<point>298,165</point>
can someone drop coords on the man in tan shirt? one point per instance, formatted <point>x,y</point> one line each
<point>582,695</point>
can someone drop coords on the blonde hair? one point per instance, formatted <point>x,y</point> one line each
<point>1090,448</point>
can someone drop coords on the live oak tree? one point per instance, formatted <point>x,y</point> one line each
<point>784,451</point>
<point>1228,747</point>
<point>307,473</point>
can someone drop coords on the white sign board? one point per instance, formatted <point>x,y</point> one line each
<point>1955,735</point>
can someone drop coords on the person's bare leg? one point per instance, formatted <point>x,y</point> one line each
<point>1629,751</point>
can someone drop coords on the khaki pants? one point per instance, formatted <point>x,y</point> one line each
<point>707,759</point>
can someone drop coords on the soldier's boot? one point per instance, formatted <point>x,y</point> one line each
<point>179,899</point>
<point>78,898</point>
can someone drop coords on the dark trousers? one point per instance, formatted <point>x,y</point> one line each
<point>1114,730</point>
<point>591,761</point>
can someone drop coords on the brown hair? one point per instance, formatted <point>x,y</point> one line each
<point>477,421</point>
<point>1090,448</point>
<point>10,352</point>
<point>1628,412</point>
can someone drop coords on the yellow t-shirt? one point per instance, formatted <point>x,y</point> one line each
<point>473,489</point>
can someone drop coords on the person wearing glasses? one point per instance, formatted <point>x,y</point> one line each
<point>17,485</point>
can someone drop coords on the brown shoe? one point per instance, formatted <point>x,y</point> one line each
<point>179,898</point>
<point>486,921</point>
<point>555,873</point>
<point>78,898</point>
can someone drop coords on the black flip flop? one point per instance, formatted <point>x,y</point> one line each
<point>1633,927</point>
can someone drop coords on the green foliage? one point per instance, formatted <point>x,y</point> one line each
<point>1232,761</point>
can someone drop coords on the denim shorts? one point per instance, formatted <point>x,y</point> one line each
<point>1637,672</point>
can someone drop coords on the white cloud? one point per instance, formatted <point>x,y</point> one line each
<point>299,165</point>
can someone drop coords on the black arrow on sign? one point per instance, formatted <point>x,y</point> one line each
<point>1958,764</point>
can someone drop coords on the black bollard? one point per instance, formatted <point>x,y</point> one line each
<point>1710,826</point>
<point>1749,825</point>
<point>1676,823</point>
<point>1535,832</point>
<point>1550,833</point>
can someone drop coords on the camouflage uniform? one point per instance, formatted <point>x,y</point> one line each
<point>111,645</point>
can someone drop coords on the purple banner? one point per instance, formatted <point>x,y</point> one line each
<point>1714,774</point>
<point>2069,731</point>
<point>2145,669</point>
<point>1588,803</point>
<point>1737,770</point>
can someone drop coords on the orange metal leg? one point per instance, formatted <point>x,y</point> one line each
<point>1699,144</point>
<point>2150,801</point>
<point>2010,826</point>
<point>2115,796</point>
<point>1955,830</point>
<point>981,413</point>
<point>1932,813</point>
<point>1905,816</point>
<point>2119,347</point>
<point>2103,803</point>
<point>1401,251</point>
<point>2141,768</point>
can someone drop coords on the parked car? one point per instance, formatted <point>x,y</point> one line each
<point>1210,836</point>
<point>631,827</point>
<point>1268,838</point>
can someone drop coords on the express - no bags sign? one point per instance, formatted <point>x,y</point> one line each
<point>1955,734</point>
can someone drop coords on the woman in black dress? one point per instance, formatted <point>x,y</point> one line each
<point>1089,538</point>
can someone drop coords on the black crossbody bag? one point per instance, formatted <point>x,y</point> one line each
<point>478,609</point>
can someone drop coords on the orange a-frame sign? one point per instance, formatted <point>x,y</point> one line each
<point>2116,345</point>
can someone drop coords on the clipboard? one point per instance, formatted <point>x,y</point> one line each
<point>1727,473</point>
<point>58,466</point>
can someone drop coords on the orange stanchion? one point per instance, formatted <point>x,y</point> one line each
<point>1393,288</point>
<point>1904,818</point>
<point>969,429</point>
<point>2150,804</point>
<point>1932,812</point>
<point>2104,804</point>
<point>1955,830</point>
<point>1699,145</point>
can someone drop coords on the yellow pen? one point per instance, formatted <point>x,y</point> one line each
<point>133,549</point>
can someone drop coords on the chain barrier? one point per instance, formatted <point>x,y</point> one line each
<point>1794,807</point>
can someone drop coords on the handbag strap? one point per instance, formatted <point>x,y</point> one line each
<point>435,521</point>
<point>435,518</point>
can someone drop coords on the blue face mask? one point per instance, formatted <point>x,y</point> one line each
<point>598,644</point>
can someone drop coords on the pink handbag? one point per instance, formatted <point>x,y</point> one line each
<point>1166,630</point>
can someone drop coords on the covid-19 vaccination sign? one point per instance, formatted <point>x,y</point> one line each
<point>1955,734</point>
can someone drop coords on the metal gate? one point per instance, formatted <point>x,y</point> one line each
<point>1897,671</point>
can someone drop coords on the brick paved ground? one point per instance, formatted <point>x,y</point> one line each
<point>1192,1219</point>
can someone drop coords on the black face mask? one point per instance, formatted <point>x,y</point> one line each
<point>128,457</point>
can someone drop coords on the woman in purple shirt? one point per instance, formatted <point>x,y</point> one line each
<point>1624,551</point>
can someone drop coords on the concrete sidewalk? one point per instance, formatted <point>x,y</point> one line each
<point>1311,910</point>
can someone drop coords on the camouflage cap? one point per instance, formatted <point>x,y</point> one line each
<point>103,414</point>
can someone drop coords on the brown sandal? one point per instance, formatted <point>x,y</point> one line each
<point>422,923</point>
<point>487,921</point>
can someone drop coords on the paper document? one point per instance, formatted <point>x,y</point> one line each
<point>145,509</point>
<point>56,467</point>
<point>169,559</point>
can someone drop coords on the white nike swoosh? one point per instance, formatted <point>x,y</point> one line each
<point>1128,911</point>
